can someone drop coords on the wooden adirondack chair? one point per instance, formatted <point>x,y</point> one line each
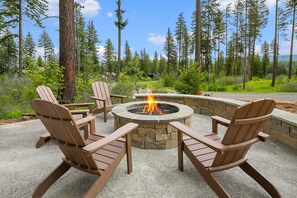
<point>210,154</point>
<point>45,93</point>
<point>103,98</point>
<point>100,154</point>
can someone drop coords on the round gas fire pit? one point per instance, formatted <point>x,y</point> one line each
<point>153,131</point>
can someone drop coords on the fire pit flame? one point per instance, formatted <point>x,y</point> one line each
<point>151,106</point>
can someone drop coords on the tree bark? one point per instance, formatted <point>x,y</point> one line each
<point>67,49</point>
<point>198,33</point>
<point>119,38</point>
<point>20,39</point>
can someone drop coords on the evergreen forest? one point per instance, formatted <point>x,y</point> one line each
<point>217,52</point>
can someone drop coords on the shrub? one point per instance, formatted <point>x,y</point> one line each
<point>124,86</point>
<point>190,80</point>
<point>289,87</point>
<point>168,80</point>
<point>15,94</point>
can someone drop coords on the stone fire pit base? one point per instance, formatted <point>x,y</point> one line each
<point>153,131</point>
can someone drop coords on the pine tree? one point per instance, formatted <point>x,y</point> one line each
<point>208,13</point>
<point>179,35</point>
<point>128,54</point>
<point>185,48</point>
<point>155,64</point>
<point>219,34</point>
<point>120,25</point>
<point>109,55</point>
<point>8,53</point>
<point>291,11</point>
<point>227,18</point>
<point>162,65</point>
<point>275,45</point>
<point>170,51</point>
<point>29,46</point>
<point>29,49</point>
<point>193,35</point>
<point>144,62</point>
<point>80,36</point>
<point>238,35</point>
<point>258,19</point>
<point>198,32</point>
<point>265,58</point>
<point>48,46</point>
<point>15,9</point>
<point>91,41</point>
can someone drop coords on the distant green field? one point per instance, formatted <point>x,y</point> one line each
<point>256,85</point>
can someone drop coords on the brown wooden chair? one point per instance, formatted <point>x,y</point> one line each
<point>209,153</point>
<point>45,93</point>
<point>103,98</point>
<point>100,154</point>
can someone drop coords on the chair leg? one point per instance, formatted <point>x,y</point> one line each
<point>50,180</point>
<point>129,153</point>
<point>105,115</point>
<point>253,173</point>
<point>96,187</point>
<point>207,176</point>
<point>212,182</point>
<point>42,141</point>
<point>180,151</point>
<point>92,127</point>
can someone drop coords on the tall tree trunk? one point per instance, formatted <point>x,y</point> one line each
<point>292,44</point>
<point>67,49</point>
<point>226,59</point>
<point>219,66</point>
<point>20,39</point>
<point>119,38</point>
<point>245,48</point>
<point>275,46</point>
<point>198,33</point>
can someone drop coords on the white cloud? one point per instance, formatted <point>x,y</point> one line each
<point>100,51</point>
<point>285,46</point>
<point>40,51</point>
<point>91,7</point>
<point>53,8</point>
<point>270,3</point>
<point>224,3</point>
<point>156,39</point>
<point>109,14</point>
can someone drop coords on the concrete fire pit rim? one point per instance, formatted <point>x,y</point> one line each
<point>122,112</point>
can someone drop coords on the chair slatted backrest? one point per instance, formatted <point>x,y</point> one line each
<point>45,93</point>
<point>101,90</point>
<point>60,124</point>
<point>248,120</point>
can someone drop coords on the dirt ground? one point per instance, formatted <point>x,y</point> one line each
<point>281,104</point>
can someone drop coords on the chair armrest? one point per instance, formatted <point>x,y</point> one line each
<point>101,99</point>
<point>218,120</point>
<point>209,142</point>
<point>188,131</point>
<point>122,97</point>
<point>84,121</point>
<point>263,136</point>
<point>117,96</point>
<point>91,148</point>
<point>76,105</point>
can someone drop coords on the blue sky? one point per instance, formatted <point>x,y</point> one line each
<point>149,21</point>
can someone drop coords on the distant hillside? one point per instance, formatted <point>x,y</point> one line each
<point>284,58</point>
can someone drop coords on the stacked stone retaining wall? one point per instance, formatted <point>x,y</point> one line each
<point>282,125</point>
